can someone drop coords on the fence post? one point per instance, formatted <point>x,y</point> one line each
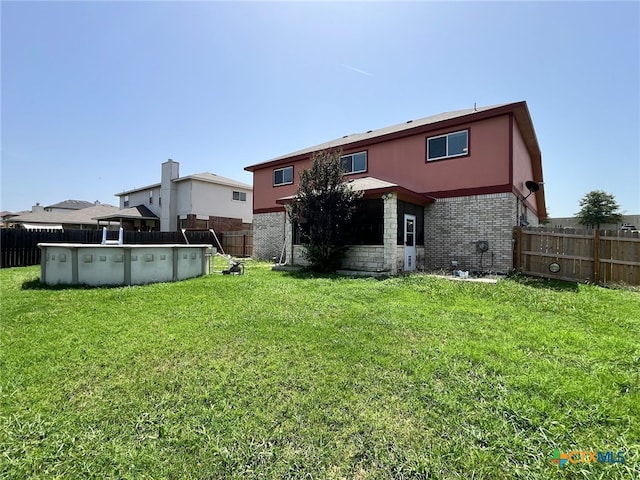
<point>518,239</point>
<point>244,245</point>
<point>596,256</point>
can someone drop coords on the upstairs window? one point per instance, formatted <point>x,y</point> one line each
<point>126,201</point>
<point>150,197</point>
<point>354,162</point>
<point>283,176</point>
<point>240,196</point>
<point>450,145</point>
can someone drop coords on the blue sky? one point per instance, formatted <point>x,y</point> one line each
<point>96,95</point>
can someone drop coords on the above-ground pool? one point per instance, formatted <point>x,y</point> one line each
<point>90,264</point>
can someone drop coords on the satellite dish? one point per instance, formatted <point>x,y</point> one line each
<point>532,187</point>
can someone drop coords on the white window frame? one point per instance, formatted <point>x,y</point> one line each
<point>242,196</point>
<point>446,155</point>
<point>125,202</point>
<point>366,162</point>
<point>150,197</point>
<point>282,170</point>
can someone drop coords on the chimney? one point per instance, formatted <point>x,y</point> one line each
<point>37,208</point>
<point>168,212</point>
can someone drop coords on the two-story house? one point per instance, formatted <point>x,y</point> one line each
<point>439,192</point>
<point>200,201</point>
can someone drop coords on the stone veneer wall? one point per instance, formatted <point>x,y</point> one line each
<point>390,233</point>
<point>364,258</point>
<point>454,225</point>
<point>268,235</point>
<point>367,258</point>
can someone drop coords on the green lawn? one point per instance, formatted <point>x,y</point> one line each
<point>277,375</point>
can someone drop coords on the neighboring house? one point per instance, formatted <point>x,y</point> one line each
<point>443,189</point>
<point>83,218</point>
<point>6,216</point>
<point>202,201</point>
<point>572,222</point>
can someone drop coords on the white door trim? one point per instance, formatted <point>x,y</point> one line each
<point>409,227</point>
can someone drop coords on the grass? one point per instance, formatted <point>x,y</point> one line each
<point>279,375</point>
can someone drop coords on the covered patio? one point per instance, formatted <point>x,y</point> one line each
<point>138,218</point>
<point>388,233</point>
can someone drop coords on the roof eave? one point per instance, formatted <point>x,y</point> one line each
<point>525,124</point>
<point>133,190</point>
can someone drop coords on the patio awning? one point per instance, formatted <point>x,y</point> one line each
<point>373,187</point>
<point>139,212</point>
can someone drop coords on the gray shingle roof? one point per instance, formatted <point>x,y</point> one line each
<point>140,212</point>
<point>72,204</point>
<point>84,216</point>
<point>372,184</point>
<point>213,178</point>
<point>380,132</point>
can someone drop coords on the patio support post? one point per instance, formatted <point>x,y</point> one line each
<point>288,239</point>
<point>390,234</point>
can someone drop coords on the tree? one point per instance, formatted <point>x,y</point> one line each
<point>598,207</point>
<point>321,210</point>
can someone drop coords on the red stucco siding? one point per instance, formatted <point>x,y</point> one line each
<point>522,168</point>
<point>402,161</point>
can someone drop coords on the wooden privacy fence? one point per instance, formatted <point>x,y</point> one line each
<point>19,247</point>
<point>237,244</point>
<point>597,256</point>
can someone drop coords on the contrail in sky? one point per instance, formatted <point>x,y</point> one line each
<point>357,70</point>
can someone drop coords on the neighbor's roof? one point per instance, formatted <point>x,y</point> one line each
<point>203,177</point>
<point>412,127</point>
<point>84,216</point>
<point>72,204</point>
<point>6,214</point>
<point>213,178</point>
<point>139,212</point>
<point>375,186</point>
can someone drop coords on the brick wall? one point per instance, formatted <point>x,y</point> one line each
<point>296,255</point>
<point>452,228</point>
<point>454,225</point>
<point>268,235</point>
